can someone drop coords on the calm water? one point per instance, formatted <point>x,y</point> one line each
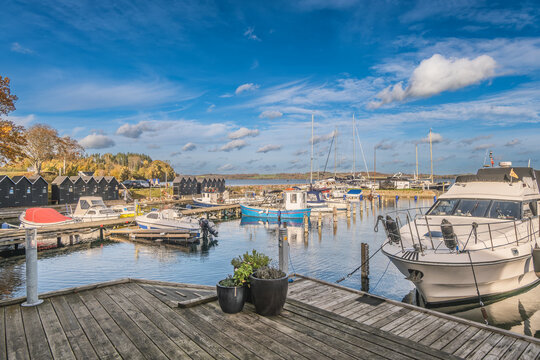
<point>328,255</point>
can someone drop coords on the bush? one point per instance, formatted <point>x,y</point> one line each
<point>269,272</point>
<point>256,259</point>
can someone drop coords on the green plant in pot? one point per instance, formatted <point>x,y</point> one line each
<point>257,260</point>
<point>231,291</point>
<point>269,287</point>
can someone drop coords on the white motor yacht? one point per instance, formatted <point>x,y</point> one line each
<point>92,208</point>
<point>478,238</point>
<point>170,219</point>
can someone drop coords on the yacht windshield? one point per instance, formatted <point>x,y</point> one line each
<point>494,209</point>
<point>444,207</point>
<point>508,210</point>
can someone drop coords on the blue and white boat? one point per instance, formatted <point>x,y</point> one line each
<point>294,207</point>
<point>169,219</point>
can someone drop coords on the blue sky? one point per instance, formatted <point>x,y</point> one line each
<point>230,87</point>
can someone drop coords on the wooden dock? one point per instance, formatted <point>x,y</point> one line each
<point>16,236</point>
<point>140,319</point>
<point>213,209</point>
<point>450,334</point>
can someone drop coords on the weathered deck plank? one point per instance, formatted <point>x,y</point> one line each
<point>38,346</point>
<point>56,336</point>
<point>15,336</point>
<point>3,353</point>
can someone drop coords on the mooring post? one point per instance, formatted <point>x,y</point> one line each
<point>58,241</point>
<point>70,239</point>
<point>354,209</point>
<point>31,269</point>
<point>306,223</point>
<point>101,233</point>
<point>364,258</point>
<point>283,250</point>
<point>348,210</point>
<point>319,220</point>
<point>334,212</point>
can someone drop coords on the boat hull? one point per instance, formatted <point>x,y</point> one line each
<point>442,283</point>
<point>270,213</point>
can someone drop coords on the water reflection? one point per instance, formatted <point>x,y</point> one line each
<point>328,253</point>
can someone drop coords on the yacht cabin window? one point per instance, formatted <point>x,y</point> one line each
<point>85,205</point>
<point>152,216</point>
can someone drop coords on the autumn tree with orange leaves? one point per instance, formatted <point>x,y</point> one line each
<point>11,136</point>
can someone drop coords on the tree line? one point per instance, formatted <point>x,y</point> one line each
<point>41,150</point>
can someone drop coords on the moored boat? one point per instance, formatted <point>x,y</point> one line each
<point>169,219</point>
<point>41,217</point>
<point>92,208</point>
<point>478,238</point>
<point>294,207</point>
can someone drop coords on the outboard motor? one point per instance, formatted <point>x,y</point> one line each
<point>207,227</point>
<point>450,238</point>
<point>392,229</point>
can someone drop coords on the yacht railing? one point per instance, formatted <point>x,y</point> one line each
<point>416,221</point>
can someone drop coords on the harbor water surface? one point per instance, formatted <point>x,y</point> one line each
<point>329,254</point>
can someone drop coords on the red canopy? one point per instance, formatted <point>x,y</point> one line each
<point>44,216</point>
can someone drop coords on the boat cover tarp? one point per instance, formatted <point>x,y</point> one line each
<point>354,192</point>
<point>44,216</point>
<point>500,175</point>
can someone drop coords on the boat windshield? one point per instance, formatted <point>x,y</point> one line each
<point>494,209</point>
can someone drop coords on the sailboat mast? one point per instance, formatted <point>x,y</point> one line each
<point>311,165</point>
<point>354,146</point>
<point>417,174</point>
<point>431,154</point>
<point>374,162</point>
<point>335,152</point>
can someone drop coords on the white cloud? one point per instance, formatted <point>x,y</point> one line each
<point>22,120</point>
<point>435,138</point>
<point>383,145</point>
<point>267,148</point>
<point>271,114</point>
<point>226,167</point>
<point>16,47</point>
<point>96,141</point>
<point>470,141</point>
<point>189,147</point>
<point>134,131</point>
<point>246,87</point>
<point>243,132</point>
<point>233,145</point>
<point>483,147</point>
<point>211,108</point>
<point>320,138</point>
<point>438,74</point>
<point>513,142</point>
<point>91,95</point>
<point>250,34</point>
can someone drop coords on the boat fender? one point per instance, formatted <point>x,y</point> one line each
<point>450,238</point>
<point>392,229</point>
<point>536,260</point>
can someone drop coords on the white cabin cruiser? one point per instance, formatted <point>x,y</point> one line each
<point>478,238</point>
<point>92,208</point>
<point>170,219</point>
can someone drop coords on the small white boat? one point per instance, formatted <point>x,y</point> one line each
<point>128,210</point>
<point>41,217</point>
<point>92,208</point>
<point>169,219</point>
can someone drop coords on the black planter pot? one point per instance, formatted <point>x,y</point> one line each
<point>269,295</point>
<point>231,299</point>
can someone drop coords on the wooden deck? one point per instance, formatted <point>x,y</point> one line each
<point>136,319</point>
<point>439,331</point>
